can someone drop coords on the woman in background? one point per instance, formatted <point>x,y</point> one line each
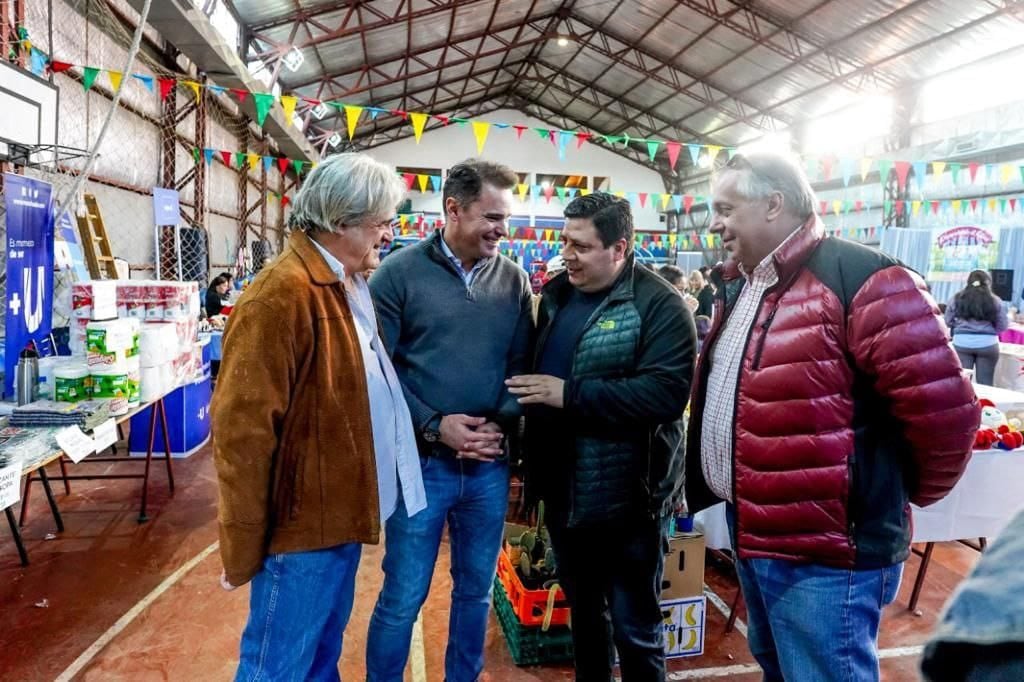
<point>215,294</point>
<point>975,317</point>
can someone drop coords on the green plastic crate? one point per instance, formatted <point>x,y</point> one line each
<point>530,645</point>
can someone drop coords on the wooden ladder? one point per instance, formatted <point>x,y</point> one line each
<point>94,236</point>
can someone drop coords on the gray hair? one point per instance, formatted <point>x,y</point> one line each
<point>345,190</point>
<point>764,172</point>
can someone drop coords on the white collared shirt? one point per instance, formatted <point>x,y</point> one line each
<point>394,442</point>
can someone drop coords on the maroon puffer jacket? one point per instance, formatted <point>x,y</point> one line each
<point>851,404</point>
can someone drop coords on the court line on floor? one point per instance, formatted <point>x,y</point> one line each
<point>124,621</point>
<point>724,609</point>
<point>417,659</point>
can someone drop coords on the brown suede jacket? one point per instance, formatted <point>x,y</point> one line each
<point>293,441</point>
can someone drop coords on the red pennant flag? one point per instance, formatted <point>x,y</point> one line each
<point>283,163</point>
<point>285,201</point>
<point>902,168</point>
<point>419,221</point>
<point>240,94</point>
<point>549,192</point>
<point>314,102</point>
<point>673,153</point>
<point>166,85</point>
<point>643,199</point>
<point>530,234</point>
<point>581,138</point>
<point>687,203</point>
<point>403,114</point>
<point>1013,205</point>
<point>974,204</point>
<point>519,131</point>
<point>410,180</point>
<point>900,207</point>
<point>826,168</point>
<point>227,158</point>
<point>858,205</point>
<point>935,207</point>
<point>59,67</point>
<point>551,136</point>
<point>973,167</point>
<point>443,119</point>
<point>823,208</point>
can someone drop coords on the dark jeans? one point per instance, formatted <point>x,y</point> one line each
<point>612,579</point>
<point>981,360</point>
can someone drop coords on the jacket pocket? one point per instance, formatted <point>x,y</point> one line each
<point>764,337</point>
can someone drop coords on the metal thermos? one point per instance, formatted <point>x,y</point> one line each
<point>27,376</point>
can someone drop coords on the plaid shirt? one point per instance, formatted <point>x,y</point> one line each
<point>727,359</point>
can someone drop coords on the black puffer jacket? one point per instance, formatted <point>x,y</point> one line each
<point>616,449</point>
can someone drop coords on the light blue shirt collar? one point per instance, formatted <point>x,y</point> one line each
<point>467,277</point>
<point>333,263</point>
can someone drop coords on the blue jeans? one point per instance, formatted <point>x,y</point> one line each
<point>814,622</point>
<point>472,498</point>
<point>299,605</point>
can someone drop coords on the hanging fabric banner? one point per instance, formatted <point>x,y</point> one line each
<point>30,252</point>
<point>956,252</point>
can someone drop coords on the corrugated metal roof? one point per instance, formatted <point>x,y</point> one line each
<point>669,69</point>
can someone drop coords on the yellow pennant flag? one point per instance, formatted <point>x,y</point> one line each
<point>254,161</point>
<point>423,180</point>
<point>713,150</point>
<point>288,103</point>
<point>837,206</point>
<point>938,168</point>
<point>115,80</point>
<point>402,219</point>
<point>584,192</point>
<point>1005,173</point>
<point>620,194</point>
<point>672,239</point>
<point>956,206</point>
<point>352,113</point>
<point>865,168</point>
<point>548,234</point>
<point>664,201</point>
<point>915,206</point>
<point>419,120</point>
<point>992,205</point>
<point>480,129</point>
<point>194,86</point>
<point>523,189</point>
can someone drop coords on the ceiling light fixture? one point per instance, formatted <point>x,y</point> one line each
<point>334,140</point>
<point>293,59</point>
<point>320,110</point>
<point>563,41</point>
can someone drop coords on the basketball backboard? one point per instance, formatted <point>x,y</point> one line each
<point>28,116</point>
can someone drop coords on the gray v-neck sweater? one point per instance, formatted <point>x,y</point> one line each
<point>453,346</point>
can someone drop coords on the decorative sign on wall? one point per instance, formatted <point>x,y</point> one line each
<point>957,251</point>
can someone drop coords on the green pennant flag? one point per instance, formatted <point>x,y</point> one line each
<point>609,139</point>
<point>884,167</point>
<point>240,159</point>
<point>1022,173</point>
<point>561,193</point>
<point>543,132</point>
<point>297,165</point>
<point>1002,205</point>
<point>652,148</point>
<point>954,168</point>
<point>463,121</point>
<point>264,102</point>
<point>195,154</point>
<point>887,207</point>
<point>847,206</point>
<point>89,74</point>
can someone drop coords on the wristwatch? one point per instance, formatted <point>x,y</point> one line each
<point>432,431</point>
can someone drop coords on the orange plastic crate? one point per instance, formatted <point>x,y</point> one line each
<point>529,605</point>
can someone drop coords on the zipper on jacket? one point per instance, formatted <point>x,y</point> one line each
<point>764,336</point>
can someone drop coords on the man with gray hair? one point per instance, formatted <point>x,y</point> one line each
<point>827,399</point>
<point>456,317</point>
<point>313,440</point>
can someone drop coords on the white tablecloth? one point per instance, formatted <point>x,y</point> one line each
<point>982,503</point>
<point>1010,368</point>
